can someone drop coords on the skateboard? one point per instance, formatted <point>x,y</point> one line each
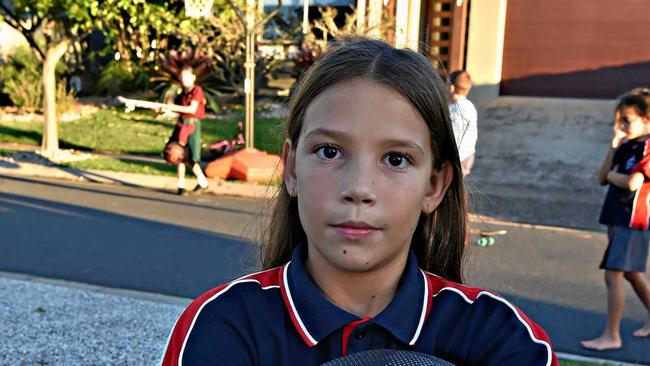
<point>487,238</point>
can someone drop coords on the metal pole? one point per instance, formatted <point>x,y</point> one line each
<point>247,91</point>
<point>249,83</point>
<point>250,97</point>
<point>305,16</point>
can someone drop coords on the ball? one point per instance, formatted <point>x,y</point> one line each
<point>175,153</point>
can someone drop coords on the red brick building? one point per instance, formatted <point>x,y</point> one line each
<point>558,48</point>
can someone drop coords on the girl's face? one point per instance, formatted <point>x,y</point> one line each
<point>632,124</point>
<point>187,78</point>
<point>362,172</point>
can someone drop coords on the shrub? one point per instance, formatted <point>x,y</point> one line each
<point>21,79</point>
<point>65,99</point>
<point>122,76</point>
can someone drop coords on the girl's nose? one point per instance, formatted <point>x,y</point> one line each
<point>359,195</point>
<point>358,187</point>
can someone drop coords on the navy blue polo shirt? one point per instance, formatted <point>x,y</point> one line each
<point>280,317</point>
<point>621,206</point>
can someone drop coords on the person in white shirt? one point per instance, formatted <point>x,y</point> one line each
<point>464,118</point>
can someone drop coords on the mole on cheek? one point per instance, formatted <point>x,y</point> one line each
<point>345,252</point>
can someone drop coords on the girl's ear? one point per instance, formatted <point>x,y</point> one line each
<point>438,185</point>
<point>289,162</point>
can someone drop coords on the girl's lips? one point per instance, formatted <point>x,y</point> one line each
<point>355,232</point>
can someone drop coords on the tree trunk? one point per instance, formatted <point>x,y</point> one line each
<point>50,134</point>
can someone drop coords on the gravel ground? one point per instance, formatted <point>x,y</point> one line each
<point>49,324</point>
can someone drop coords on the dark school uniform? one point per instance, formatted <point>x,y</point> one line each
<point>188,127</point>
<point>280,317</point>
<point>626,213</point>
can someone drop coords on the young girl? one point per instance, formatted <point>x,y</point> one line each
<point>190,105</point>
<point>626,169</point>
<point>366,240</point>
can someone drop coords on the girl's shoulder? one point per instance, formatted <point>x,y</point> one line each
<point>488,321</point>
<point>248,292</point>
<point>249,285</point>
<point>197,90</point>
<point>224,315</point>
<point>478,301</point>
<point>468,293</point>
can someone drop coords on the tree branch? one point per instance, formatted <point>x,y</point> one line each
<point>11,17</point>
<point>268,17</point>
<point>34,46</point>
<point>237,12</point>
<point>38,24</point>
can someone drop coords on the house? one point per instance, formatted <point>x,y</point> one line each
<point>557,48</point>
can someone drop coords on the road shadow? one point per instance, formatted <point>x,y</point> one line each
<point>34,158</point>
<point>110,192</point>
<point>75,243</point>
<point>567,326</point>
<point>8,164</point>
<point>94,177</point>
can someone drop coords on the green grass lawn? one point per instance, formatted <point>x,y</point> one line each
<point>139,132</point>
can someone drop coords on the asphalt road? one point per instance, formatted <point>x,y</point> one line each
<point>157,242</point>
<point>125,237</point>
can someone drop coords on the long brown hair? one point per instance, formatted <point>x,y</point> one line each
<point>439,238</point>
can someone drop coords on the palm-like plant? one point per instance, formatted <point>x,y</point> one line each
<point>167,74</point>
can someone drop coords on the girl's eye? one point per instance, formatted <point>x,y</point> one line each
<point>327,152</point>
<point>398,160</point>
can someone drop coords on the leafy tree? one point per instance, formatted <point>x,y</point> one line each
<point>222,36</point>
<point>137,42</point>
<point>139,30</point>
<point>52,26</point>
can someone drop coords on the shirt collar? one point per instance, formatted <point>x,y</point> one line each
<point>404,317</point>
<point>315,317</point>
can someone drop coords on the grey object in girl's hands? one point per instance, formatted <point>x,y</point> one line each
<point>388,357</point>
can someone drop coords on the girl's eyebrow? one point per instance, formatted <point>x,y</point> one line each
<point>339,135</point>
<point>405,144</point>
<point>325,132</point>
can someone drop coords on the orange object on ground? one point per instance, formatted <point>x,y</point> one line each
<point>250,165</point>
<point>219,168</point>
